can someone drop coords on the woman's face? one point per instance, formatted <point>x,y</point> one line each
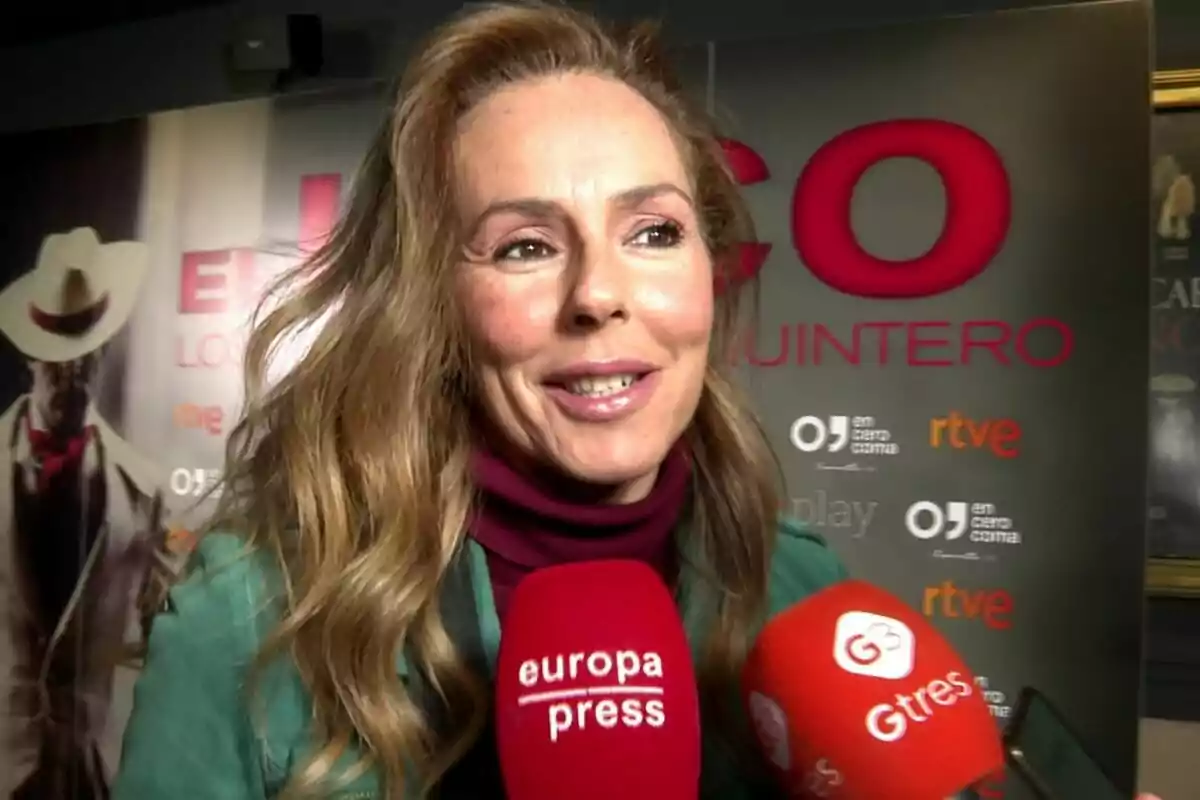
<point>585,279</point>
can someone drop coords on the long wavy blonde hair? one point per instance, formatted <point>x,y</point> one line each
<point>351,471</point>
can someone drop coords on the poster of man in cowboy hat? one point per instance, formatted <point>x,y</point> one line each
<point>82,539</point>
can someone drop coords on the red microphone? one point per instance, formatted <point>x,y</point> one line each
<point>854,695</point>
<point>595,692</point>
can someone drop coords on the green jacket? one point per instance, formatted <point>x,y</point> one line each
<point>191,734</point>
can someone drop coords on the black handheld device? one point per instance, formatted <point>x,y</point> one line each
<point>1047,754</point>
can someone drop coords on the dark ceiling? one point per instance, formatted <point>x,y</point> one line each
<point>28,21</point>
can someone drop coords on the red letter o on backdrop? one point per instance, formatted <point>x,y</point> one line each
<point>978,209</point>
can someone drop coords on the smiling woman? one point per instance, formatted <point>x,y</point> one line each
<point>521,365</point>
<point>520,361</point>
<point>591,276</point>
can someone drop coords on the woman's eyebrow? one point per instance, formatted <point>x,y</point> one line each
<point>543,208</point>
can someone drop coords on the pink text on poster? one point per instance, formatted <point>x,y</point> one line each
<point>215,282</point>
<point>976,224</point>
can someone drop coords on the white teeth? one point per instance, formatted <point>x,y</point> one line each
<point>600,387</point>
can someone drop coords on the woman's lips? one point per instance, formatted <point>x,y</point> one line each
<point>595,404</point>
<point>597,369</point>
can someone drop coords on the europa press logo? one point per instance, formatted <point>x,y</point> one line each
<point>874,646</point>
<point>626,690</point>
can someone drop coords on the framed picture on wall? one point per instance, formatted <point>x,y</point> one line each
<point>1173,526</point>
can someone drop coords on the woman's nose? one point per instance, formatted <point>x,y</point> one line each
<point>598,291</point>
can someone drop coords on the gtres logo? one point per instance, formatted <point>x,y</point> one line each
<point>873,646</point>
<point>614,702</point>
<point>193,416</point>
<point>993,607</point>
<point>889,722</point>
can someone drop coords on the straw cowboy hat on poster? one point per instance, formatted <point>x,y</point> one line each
<point>77,297</point>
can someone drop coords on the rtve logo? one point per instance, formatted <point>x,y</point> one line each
<point>1002,436</point>
<point>873,646</point>
<point>978,200</point>
<point>191,416</point>
<point>992,607</point>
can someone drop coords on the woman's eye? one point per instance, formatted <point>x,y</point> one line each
<point>525,250</point>
<point>662,234</point>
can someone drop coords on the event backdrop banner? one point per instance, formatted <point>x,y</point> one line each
<point>1174,520</point>
<point>950,353</point>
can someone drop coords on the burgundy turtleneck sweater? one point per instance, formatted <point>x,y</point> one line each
<point>526,522</point>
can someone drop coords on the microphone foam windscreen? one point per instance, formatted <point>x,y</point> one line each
<point>854,695</point>
<point>595,693</point>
